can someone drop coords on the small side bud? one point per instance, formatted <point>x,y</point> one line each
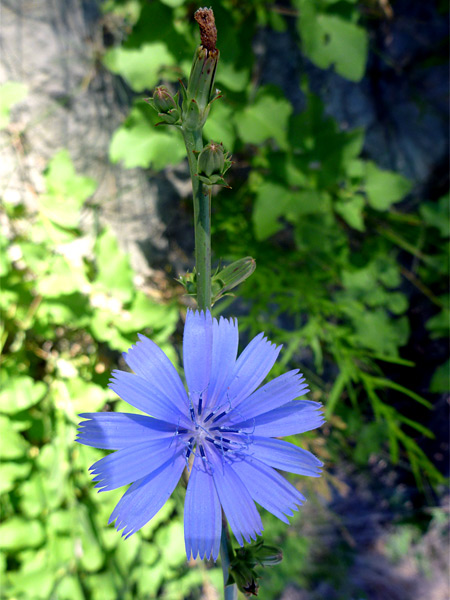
<point>242,567</point>
<point>231,276</point>
<point>211,160</point>
<point>163,100</point>
<point>213,163</point>
<point>165,105</point>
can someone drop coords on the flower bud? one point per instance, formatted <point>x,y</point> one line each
<point>163,101</point>
<point>166,106</point>
<point>231,276</point>
<point>203,72</point>
<point>211,160</point>
<point>213,163</point>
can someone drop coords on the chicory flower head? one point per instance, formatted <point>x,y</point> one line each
<point>225,422</point>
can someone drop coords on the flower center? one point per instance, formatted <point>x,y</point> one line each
<point>209,430</point>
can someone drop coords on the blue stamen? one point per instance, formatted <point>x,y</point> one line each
<point>208,417</point>
<point>189,449</point>
<point>225,429</point>
<point>219,416</point>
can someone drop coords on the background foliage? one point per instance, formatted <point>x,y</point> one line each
<point>346,251</point>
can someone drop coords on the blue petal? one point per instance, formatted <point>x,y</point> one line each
<point>294,417</point>
<point>268,488</point>
<point>250,369</point>
<point>138,392</point>
<point>224,352</point>
<point>274,394</point>
<point>145,497</point>
<point>285,456</point>
<point>112,431</point>
<point>202,513</point>
<point>147,360</point>
<point>197,349</point>
<point>236,502</point>
<point>133,463</point>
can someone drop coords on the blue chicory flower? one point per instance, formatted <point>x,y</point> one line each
<point>226,421</point>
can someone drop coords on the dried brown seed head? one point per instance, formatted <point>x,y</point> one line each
<point>208,31</point>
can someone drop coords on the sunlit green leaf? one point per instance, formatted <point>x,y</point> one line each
<point>264,119</point>
<point>17,533</point>
<point>220,127</point>
<point>352,212</point>
<point>139,144</point>
<point>114,273</point>
<point>19,393</point>
<point>13,445</point>
<point>384,188</point>
<point>329,40</point>
<point>66,191</point>
<point>10,473</point>
<point>141,67</point>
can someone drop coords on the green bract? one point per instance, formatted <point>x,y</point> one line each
<point>166,106</point>
<point>200,93</point>
<point>213,163</point>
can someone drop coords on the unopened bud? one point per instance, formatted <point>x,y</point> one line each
<point>163,101</point>
<point>211,160</point>
<point>213,163</point>
<point>166,106</point>
<point>231,276</point>
<point>268,556</point>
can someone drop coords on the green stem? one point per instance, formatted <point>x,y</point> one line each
<point>226,554</point>
<point>202,220</point>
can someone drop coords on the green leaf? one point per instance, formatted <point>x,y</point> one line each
<point>140,67</point>
<point>126,553</point>
<point>439,325</point>
<point>272,202</point>
<point>139,144</point>
<point>17,533</point>
<point>70,589</point>
<point>169,539</point>
<point>146,313</point>
<point>379,332</point>
<point>19,393</point>
<point>329,40</point>
<point>219,125</point>
<point>114,273</point>
<point>11,93</point>
<point>265,119</point>
<point>80,396</point>
<point>62,278</point>
<point>352,212</point>
<point>231,77</point>
<point>13,445</point>
<point>370,441</point>
<point>11,472</point>
<point>437,215</point>
<point>67,191</point>
<point>384,188</point>
<point>104,328</point>
<point>336,393</point>
<point>440,383</point>
<point>36,584</point>
<point>91,553</point>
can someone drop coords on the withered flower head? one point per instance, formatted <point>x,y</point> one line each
<point>208,31</point>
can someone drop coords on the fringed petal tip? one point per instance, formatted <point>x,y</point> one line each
<point>211,554</point>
